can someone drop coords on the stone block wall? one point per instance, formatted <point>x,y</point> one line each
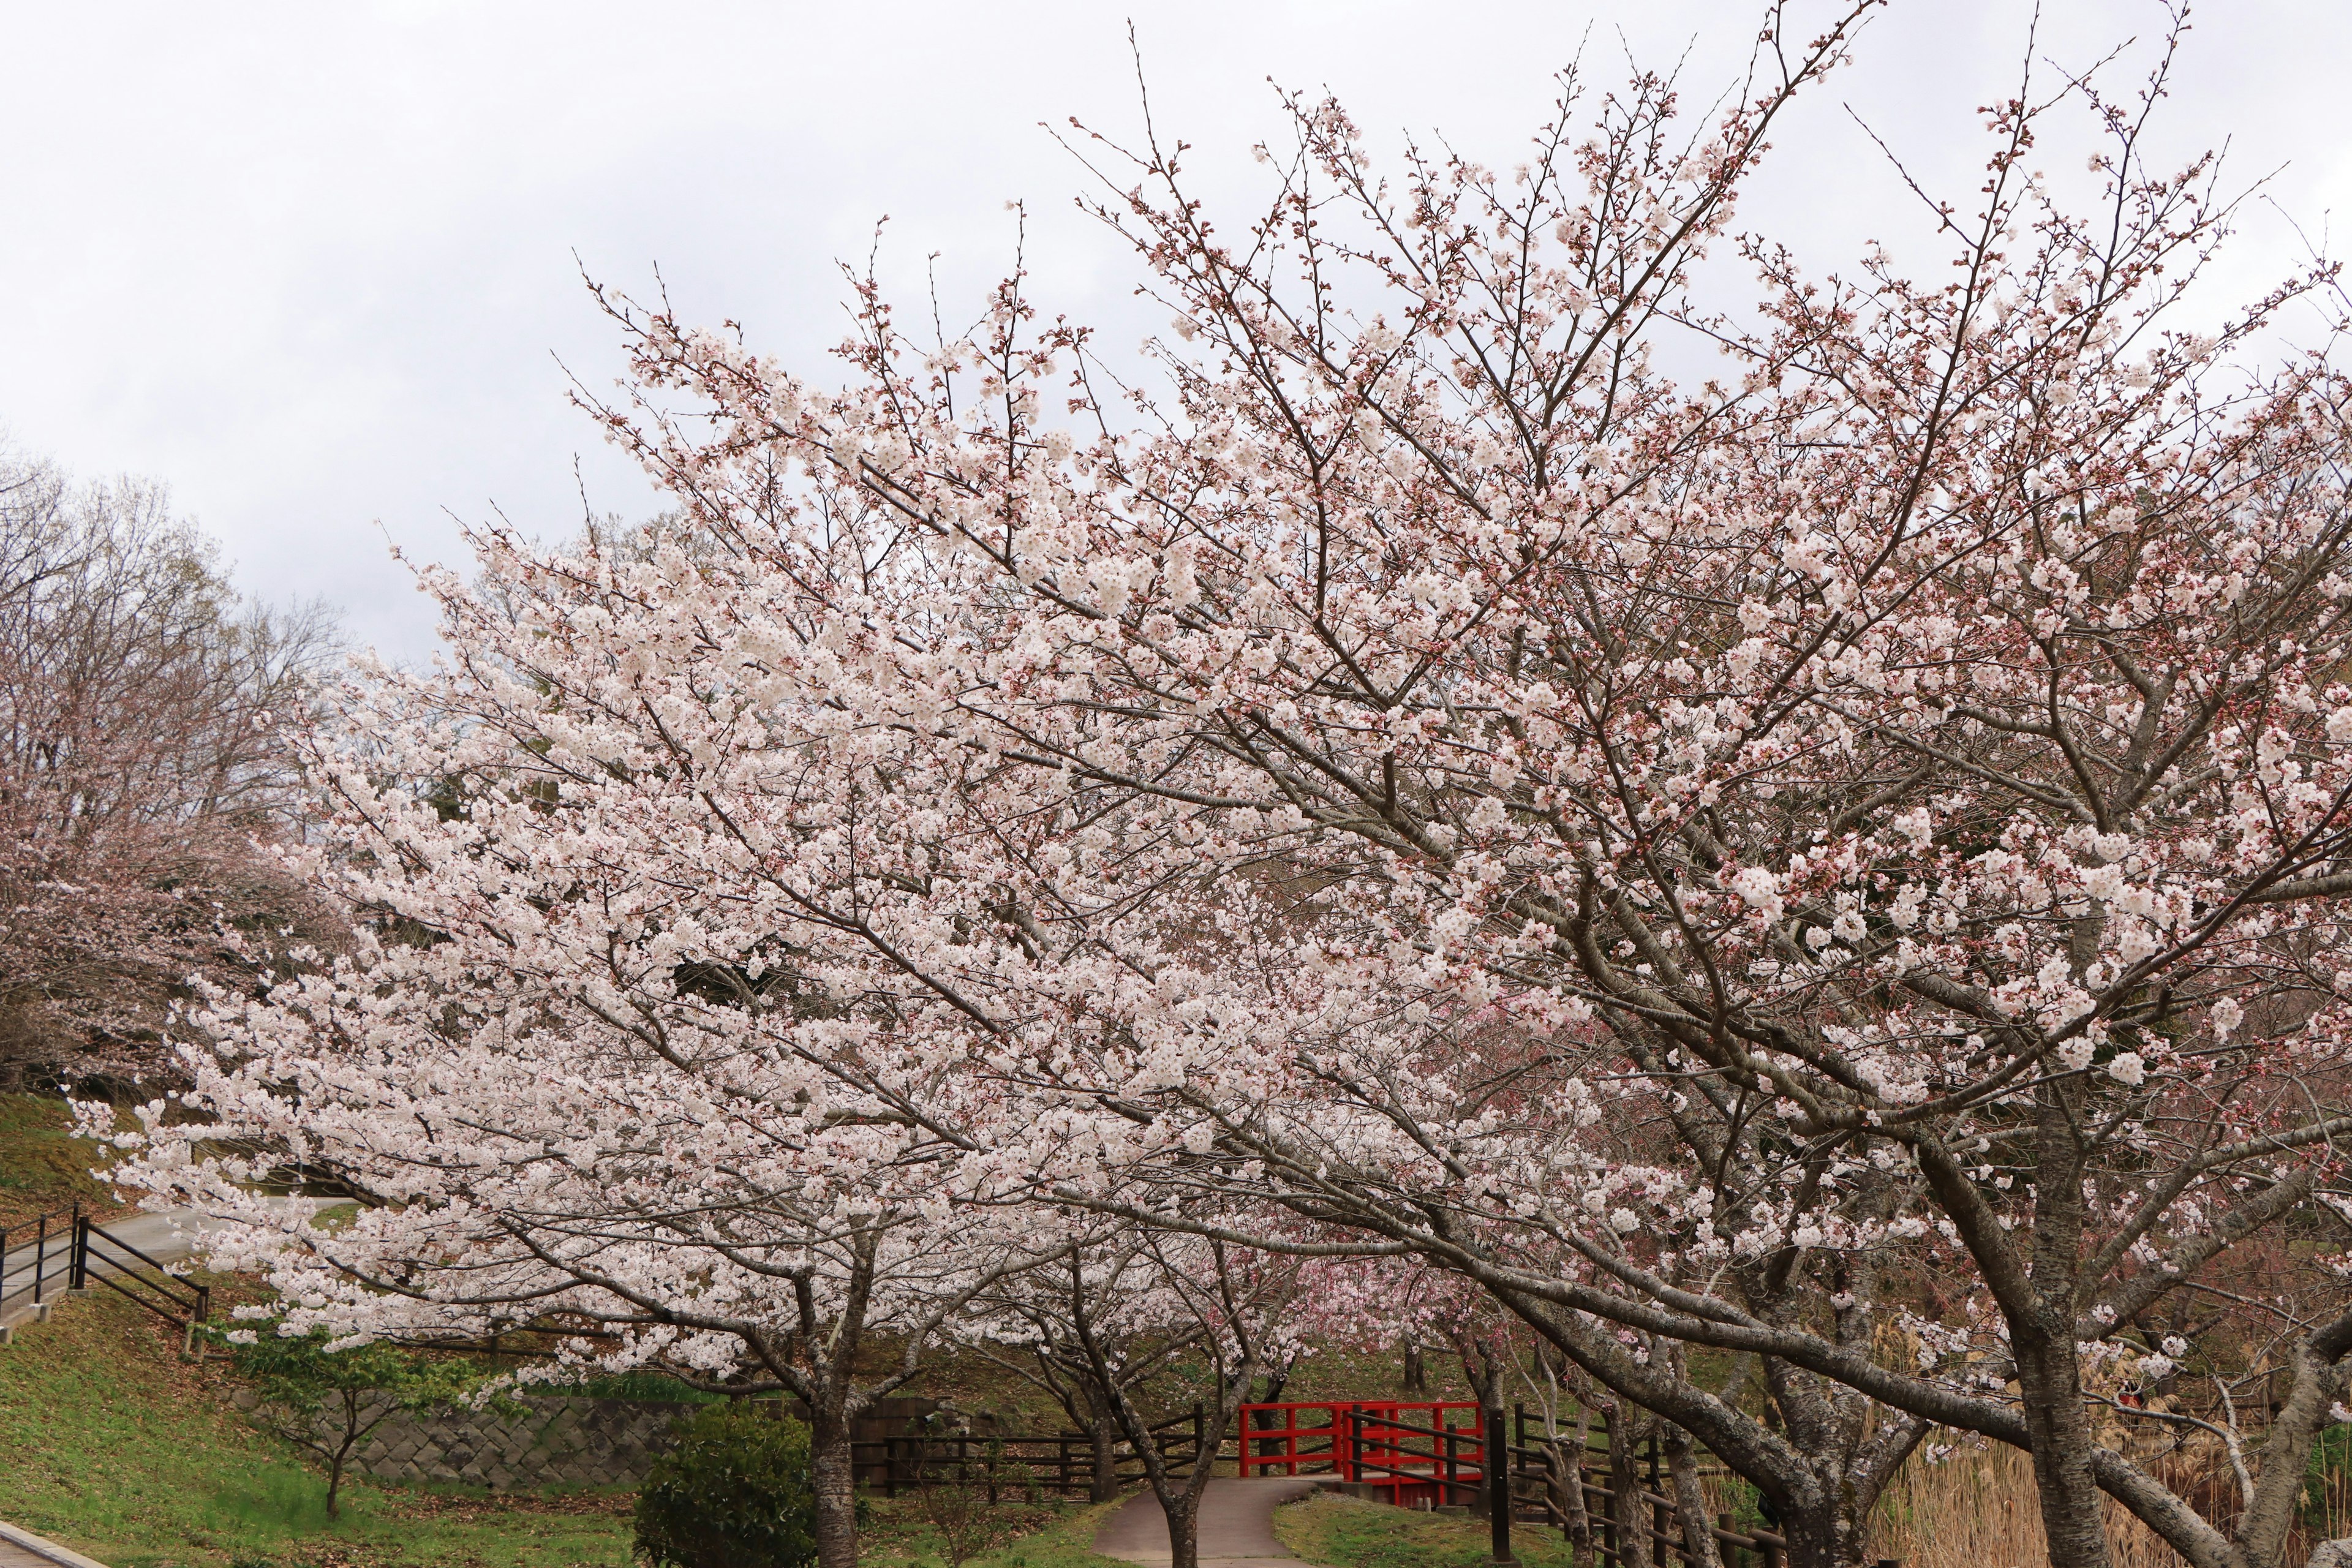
<point>552,1442</point>
<point>558,1442</point>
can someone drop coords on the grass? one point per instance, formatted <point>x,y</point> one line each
<point>1350,1532</point>
<point>112,1446</point>
<point>42,1165</point>
<point>1054,1537</point>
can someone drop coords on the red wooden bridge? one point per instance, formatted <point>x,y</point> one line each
<point>1416,1451</point>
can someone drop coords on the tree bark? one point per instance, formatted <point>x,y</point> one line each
<point>1102,1431</point>
<point>833,1482</point>
<point>1625,1487</point>
<point>1690,1503</point>
<point>1183,1528</point>
<point>2059,1434</point>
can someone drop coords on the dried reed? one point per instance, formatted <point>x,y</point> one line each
<point>1976,1509</point>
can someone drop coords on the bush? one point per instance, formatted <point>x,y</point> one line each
<point>734,1492</point>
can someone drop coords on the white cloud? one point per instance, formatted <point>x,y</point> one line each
<point>314,264</point>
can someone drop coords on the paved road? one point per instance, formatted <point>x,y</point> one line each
<point>167,1236</point>
<point>15,1556</point>
<point>1236,1525</point>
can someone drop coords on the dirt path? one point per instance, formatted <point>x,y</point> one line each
<point>1237,1526</point>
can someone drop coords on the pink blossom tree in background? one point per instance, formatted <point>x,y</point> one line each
<point>656,1032</point>
<point>139,777</point>
<point>1115,1316</point>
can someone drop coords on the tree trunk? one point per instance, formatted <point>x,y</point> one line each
<point>342,1451</point>
<point>1690,1503</point>
<point>1183,1527</point>
<point>1815,1538</point>
<point>1416,1370</point>
<point>1626,1505</point>
<point>1102,1431</point>
<point>837,1496</point>
<point>2059,1431</point>
<point>1568,1493</point>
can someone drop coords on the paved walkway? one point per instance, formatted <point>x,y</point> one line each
<point>168,1235</point>
<point>23,1549</point>
<point>1236,1525</point>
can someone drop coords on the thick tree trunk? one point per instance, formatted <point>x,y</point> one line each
<point>837,1495</point>
<point>1102,1431</point>
<point>2059,1430</point>
<point>1816,1541</point>
<point>1184,1530</point>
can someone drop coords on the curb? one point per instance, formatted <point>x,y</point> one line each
<point>63,1555</point>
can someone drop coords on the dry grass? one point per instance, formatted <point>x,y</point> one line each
<point>1976,1509</point>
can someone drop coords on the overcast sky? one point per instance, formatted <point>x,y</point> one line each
<point>314,265</point>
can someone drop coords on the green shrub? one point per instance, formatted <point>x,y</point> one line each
<point>734,1493</point>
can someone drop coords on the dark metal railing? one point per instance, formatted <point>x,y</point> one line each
<point>35,1253</point>
<point>102,1257</point>
<point>80,1254</point>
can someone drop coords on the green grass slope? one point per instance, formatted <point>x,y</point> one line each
<point>112,1444</point>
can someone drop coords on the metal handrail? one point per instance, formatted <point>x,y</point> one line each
<point>40,1225</point>
<point>194,1302</point>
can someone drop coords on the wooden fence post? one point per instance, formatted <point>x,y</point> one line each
<point>1658,1553</point>
<point>1610,1549</point>
<point>1495,1451</point>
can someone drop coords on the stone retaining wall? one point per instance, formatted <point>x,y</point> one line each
<point>551,1442</point>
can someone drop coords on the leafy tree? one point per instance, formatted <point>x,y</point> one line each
<point>736,1492</point>
<point>326,1400</point>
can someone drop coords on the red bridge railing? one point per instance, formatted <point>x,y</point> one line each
<point>1416,1450</point>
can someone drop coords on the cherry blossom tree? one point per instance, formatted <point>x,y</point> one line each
<point>1842,854</point>
<point>1737,862</point>
<point>1039,1323</point>
<point>1120,1308</point>
<point>654,1036</point>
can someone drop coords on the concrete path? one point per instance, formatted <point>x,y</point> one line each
<point>23,1549</point>
<point>1236,1525</point>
